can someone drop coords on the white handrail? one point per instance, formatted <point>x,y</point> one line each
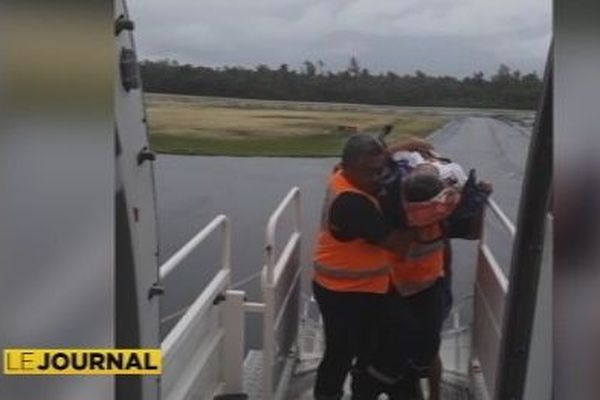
<point>499,274</point>
<point>167,267</point>
<point>269,283</point>
<point>179,335</point>
<point>199,305</point>
<point>220,221</point>
<point>501,216</point>
<point>293,195</point>
<point>486,252</point>
<point>491,286</point>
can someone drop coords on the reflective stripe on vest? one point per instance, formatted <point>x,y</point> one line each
<point>418,250</point>
<point>354,273</point>
<point>423,263</point>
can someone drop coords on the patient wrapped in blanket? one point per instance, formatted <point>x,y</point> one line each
<point>460,203</point>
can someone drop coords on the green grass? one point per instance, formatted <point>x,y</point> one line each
<point>202,126</point>
<point>304,146</point>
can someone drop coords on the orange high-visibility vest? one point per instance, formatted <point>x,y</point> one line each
<point>423,263</point>
<point>352,266</point>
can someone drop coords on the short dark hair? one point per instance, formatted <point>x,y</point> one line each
<point>359,146</point>
<point>421,187</point>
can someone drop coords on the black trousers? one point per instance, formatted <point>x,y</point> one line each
<point>406,345</point>
<point>350,321</point>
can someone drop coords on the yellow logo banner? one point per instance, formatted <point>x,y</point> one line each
<point>82,362</point>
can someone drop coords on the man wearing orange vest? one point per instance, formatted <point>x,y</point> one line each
<point>351,265</point>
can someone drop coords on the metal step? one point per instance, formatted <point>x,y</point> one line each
<point>253,373</point>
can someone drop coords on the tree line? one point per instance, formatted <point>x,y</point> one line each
<point>507,88</point>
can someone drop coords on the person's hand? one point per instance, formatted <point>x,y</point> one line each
<point>485,186</point>
<point>412,143</point>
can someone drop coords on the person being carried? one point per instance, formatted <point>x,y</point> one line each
<point>409,338</point>
<point>423,197</point>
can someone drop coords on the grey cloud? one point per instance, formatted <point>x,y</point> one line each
<point>454,37</point>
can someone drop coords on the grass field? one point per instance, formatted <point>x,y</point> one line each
<point>237,127</point>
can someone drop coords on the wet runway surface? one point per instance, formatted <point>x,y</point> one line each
<point>498,152</point>
<point>191,191</point>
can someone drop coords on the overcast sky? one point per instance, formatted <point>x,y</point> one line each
<point>440,37</point>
